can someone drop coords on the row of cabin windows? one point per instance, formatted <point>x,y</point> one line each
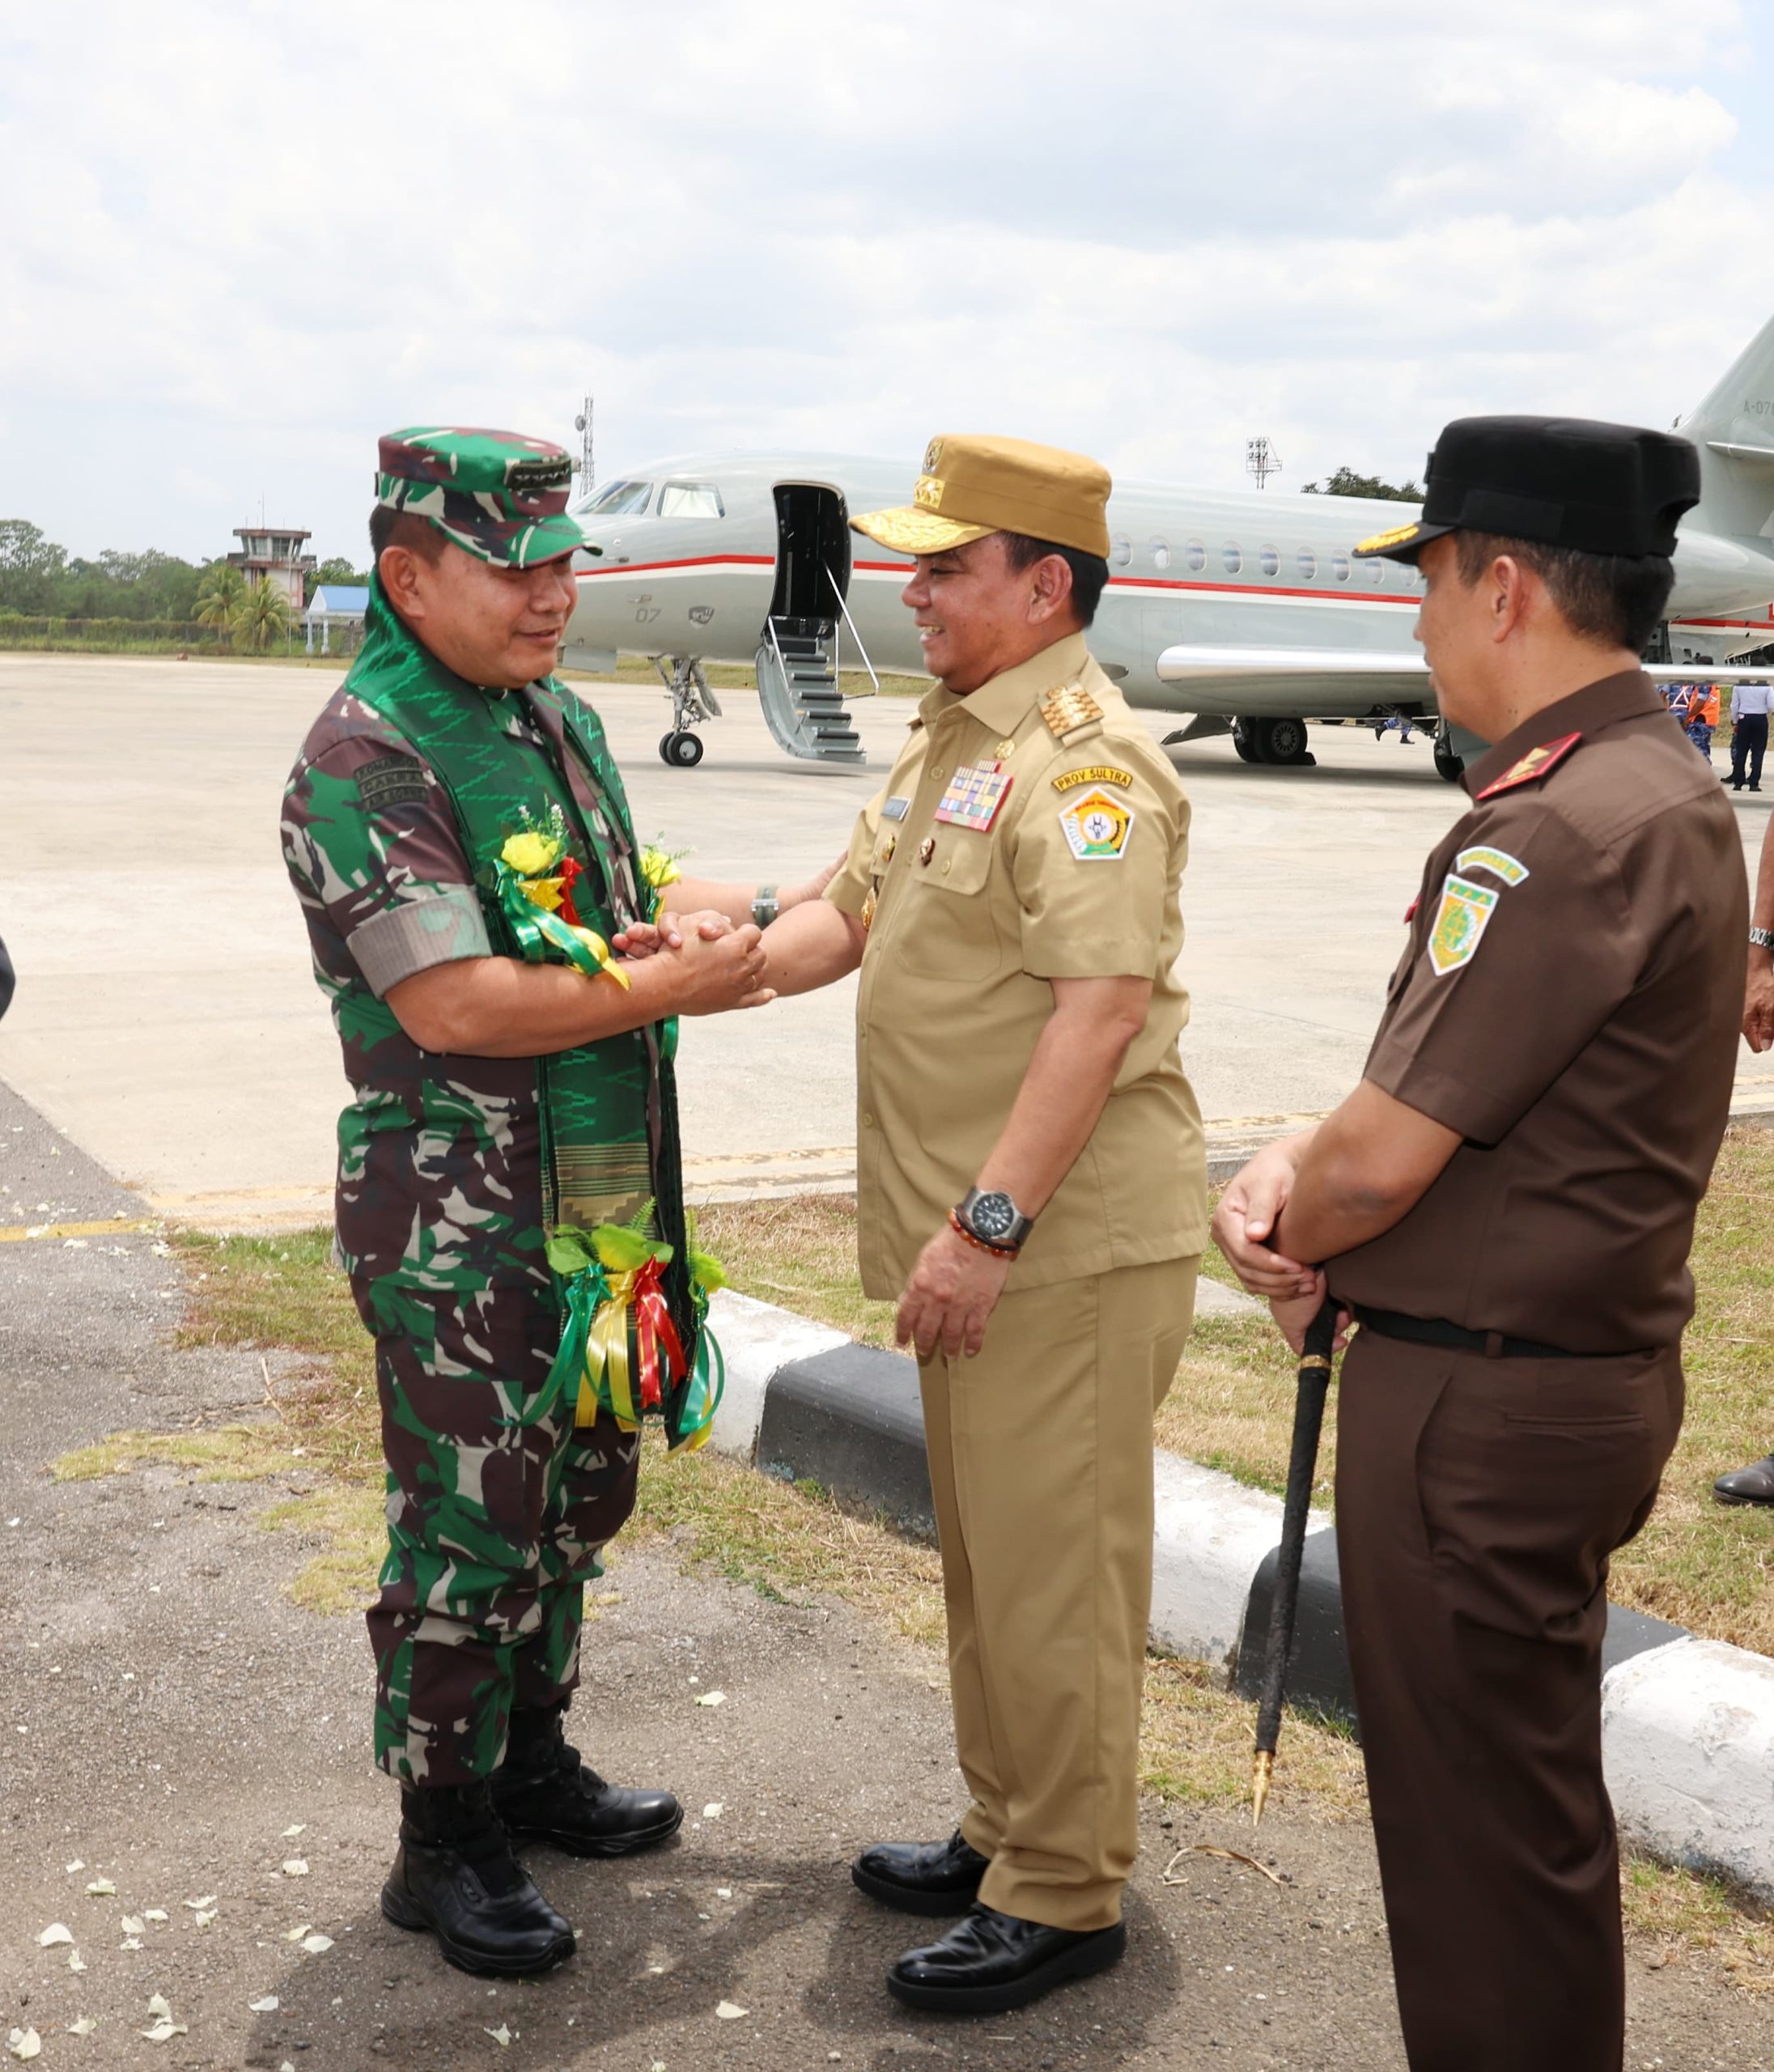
<point>676,500</point>
<point>1308,564</point>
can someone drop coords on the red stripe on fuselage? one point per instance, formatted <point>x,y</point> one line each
<point>1115,582</point>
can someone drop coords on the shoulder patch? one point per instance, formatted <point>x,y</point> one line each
<point>1459,923</point>
<point>1069,710</point>
<point>392,780</point>
<point>1538,762</point>
<point>1096,827</point>
<point>1097,773</point>
<point>1498,862</point>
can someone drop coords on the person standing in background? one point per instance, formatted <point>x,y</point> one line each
<point>1703,716</point>
<point>1749,734</point>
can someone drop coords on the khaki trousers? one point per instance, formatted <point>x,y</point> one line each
<point>1478,1501</point>
<point>1041,1453</point>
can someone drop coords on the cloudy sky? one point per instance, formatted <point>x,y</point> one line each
<point>240,238</point>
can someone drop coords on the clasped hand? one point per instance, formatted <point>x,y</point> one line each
<point>721,965</point>
<point>1248,1211</point>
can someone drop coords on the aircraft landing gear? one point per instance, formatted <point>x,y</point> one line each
<point>681,749</point>
<point>1447,761</point>
<point>692,703</point>
<point>1272,740</point>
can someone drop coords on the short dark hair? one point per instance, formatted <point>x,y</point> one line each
<point>1089,571</point>
<point>1615,597</point>
<point>404,529</point>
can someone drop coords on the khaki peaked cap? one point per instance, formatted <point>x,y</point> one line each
<point>971,486</point>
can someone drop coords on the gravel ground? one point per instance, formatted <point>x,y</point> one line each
<point>168,1719</point>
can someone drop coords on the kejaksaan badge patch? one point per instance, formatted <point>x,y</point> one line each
<point>1460,922</point>
<point>1097,828</point>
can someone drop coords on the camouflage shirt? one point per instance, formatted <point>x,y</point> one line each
<point>386,891</point>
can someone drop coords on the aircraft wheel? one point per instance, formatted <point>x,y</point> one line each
<point>1447,763</point>
<point>1244,740</point>
<point>1281,740</point>
<point>682,751</point>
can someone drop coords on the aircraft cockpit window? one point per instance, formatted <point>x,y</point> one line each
<point>1232,555</point>
<point>617,500</point>
<point>1195,554</point>
<point>1340,566</point>
<point>1308,564</point>
<point>1120,550</point>
<point>690,500</point>
<point>1270,562</point>
<point>1161,554</point>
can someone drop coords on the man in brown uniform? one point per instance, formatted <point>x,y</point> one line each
<point>1031,1186</point>
<point>1505,1205</point>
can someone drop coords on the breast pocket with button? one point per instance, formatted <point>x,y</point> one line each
<point>945,929</point>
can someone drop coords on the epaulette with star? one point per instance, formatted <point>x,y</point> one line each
<point>1538,762</point>
<point>1071,713</point>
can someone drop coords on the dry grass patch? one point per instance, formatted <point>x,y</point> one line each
<point>799,1253</point>
<point>1680,1914</point>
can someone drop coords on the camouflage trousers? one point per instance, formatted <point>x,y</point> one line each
<point>495,1525</point>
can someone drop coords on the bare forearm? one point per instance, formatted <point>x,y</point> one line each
<point>697,895</point>
<point>1060,1102</point>
<point>1364,1168</point>
<point>812,946</point>
<point>496,1007</point>
<point>1763,916</point>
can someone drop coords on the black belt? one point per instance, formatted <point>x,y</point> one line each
<point>1435,1331</point>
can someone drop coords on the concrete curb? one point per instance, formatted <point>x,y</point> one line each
<point>1687,1724</point>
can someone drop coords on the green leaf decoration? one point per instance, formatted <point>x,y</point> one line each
<point>570,1251</point>
<point>622,1250</point>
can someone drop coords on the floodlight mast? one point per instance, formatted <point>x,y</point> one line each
<point>582,424</point>
<point>1261,461</point>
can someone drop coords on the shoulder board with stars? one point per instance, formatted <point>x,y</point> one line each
<point>1069,710</point>
<point>1538,762</point>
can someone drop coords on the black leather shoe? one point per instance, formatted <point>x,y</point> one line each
<point>543,1793</point>
<point>1754,1484</point>
<point>932,1878</point>
<point>456,1878</point>
<point>992,1962</point>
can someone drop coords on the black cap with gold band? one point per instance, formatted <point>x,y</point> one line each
<point>1611,489</point>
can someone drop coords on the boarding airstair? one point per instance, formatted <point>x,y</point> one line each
<point>800,647</point>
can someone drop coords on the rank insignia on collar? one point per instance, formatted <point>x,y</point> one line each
<point>1459,923</point>
<point>1069,710</point>
<point>975,793</point>
<point>1537,762</point>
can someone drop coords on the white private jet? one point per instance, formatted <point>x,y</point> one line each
<point>1240,608</point>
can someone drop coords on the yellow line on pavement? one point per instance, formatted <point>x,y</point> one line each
<point>17,1233</point>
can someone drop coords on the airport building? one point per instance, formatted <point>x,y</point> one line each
<point>274,553</point>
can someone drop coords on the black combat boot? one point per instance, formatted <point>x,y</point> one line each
<point>543,1793</point>
<point>456,1877</point>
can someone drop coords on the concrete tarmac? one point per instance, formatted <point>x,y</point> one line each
<point>166,1018</point>
<point>173,1726</point>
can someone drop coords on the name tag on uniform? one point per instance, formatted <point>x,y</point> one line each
<point>973,797</point>
<point>895,808</point>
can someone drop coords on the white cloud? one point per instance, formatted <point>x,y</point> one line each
<point>249,241</point>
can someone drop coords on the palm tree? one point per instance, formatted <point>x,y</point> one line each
<point>224,587</point>
<point>262,615</point>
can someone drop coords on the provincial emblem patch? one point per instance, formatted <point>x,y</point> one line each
<point>1460,922</point>
<point>1097,828</point>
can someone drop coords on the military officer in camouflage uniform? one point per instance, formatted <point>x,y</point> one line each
<point>494,1100</point>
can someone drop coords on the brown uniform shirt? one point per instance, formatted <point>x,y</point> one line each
<point>1076,876</point>
<point>1568,1001</point>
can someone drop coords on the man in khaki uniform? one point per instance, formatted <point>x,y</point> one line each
<point>1031,1186</point>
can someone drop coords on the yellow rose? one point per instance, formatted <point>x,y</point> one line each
<point>659,869</point>
<point>530,852</point>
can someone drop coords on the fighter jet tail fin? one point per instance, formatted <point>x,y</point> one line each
<point>1734,430</point>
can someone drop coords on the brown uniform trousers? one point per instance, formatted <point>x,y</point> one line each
<point>1478,1501</point>
<point>1041,1463</point>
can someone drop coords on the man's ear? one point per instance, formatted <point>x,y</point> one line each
<point>1052,576</point>
<point>400,569</point>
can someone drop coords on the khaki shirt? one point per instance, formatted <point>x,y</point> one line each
<point>1076,876</point>
<point>1568,1001</point>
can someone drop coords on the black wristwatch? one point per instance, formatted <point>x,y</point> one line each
<point>994,1218</point>
<point>1763,938</point>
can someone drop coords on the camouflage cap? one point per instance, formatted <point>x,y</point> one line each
<point>496,495</point>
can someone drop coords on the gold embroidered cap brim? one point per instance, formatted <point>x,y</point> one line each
<point>906,529</point>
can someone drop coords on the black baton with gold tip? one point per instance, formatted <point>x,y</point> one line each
<point>1313,1385</point>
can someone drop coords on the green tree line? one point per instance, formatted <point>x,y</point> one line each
<point>1345,481</point>
<point>41,580</point>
